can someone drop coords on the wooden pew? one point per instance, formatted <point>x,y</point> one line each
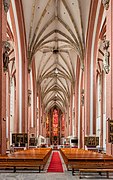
<point>95,170</point>
<point>35,158</point>
<point>20,164</point>
<point>83,160</point>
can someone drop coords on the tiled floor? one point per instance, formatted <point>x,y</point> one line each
<point>49,176</point>
<point>34,176</point>
<point>66,175</point>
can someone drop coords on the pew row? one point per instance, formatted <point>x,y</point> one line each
<point>95,170</point>
<point>87,161</point>
<point>32,158</point>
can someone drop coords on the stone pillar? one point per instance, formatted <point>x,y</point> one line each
<point>70,113</point>
<point>87,98</point>
<point>3,29</point>
<point>87,61</point>
<point>101,119</point>
<point>68,121</point>
<point>8,110</point>
<point>109,76</point>
<point>76,97</point>
<point>73,116</point>
<point>81,104</point>
<point>21,69</point>
<point>29,108</point>
<point>79,110</point>
<point>26,98</point>
<point>39,116</point>
<point>34,96</point>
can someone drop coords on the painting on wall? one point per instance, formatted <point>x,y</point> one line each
<point>55,123</point>
<point>62,126</point>
<point>47,127</point>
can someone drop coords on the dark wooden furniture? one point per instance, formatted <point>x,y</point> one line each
<point>91,141</point>
<point>95,170</point>
<point>110,130</point>
<point>84,160</point>
<point>19,139</point>
<point>32,141</point>
<point>35,158</point>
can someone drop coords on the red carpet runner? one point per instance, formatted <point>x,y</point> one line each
<point>55,163</point>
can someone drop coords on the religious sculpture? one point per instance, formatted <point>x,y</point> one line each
<point>106,4</point>
<point>6,49</point>
<point>29,97</point>
<point>106,62</point>
<point>106,65</point>
<point>6,4</point>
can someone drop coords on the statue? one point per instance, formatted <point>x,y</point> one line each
<point>106,65</point>
<point>106,44</point>
<point>106,62</point>
<point>6,4</point>
<point>106,4</point>
<point>29,97</point>
<point>6,55</point>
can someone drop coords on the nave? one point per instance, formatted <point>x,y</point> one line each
<point>56,83</point>
<point>64,163</point>
<point>66,175</point>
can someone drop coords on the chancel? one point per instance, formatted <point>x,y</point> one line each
<point>56,89</point>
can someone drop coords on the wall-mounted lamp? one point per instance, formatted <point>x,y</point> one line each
<point>4,119</point>
<point>82,97</point>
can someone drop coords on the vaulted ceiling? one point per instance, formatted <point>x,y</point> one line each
<point>55,34</point>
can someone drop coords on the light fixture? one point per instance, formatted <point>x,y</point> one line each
<point>82,97</point>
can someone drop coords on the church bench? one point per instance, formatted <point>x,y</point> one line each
<point>26,159</point>
<point>95,170</point>
<point>87,165</point>
<point>20,164</point>
<point>95,166</point>
<point>83,159</point>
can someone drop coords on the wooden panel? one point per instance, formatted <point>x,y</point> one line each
<point>19,139</point>
<point>91,141</point>
<point>110,131</point>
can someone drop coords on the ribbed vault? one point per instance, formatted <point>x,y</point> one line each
<point>55,33</point>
